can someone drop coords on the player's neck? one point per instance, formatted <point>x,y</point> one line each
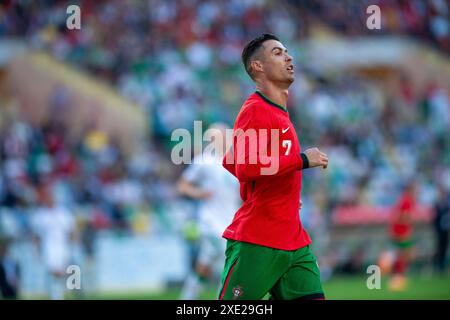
<point>273,93</point>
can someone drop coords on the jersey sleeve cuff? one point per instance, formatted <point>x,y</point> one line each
<point>305,161</point>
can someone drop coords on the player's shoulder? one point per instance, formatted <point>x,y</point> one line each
<point>254,100</point>
<point>253,109</point>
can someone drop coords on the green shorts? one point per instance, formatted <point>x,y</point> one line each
<point>403,244</point>
<point>251,271</point>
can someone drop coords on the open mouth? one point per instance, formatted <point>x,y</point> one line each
<point>290,68</point>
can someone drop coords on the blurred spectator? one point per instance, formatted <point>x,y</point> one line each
<point>9,272</point>
<point>441,223</point>
<point>88,241</point>
<point>354,264</point>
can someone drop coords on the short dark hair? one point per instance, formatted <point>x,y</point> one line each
<point>253,46</point>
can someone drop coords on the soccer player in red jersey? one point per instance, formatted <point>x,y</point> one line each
<point>401,230</point>
<point>267,248</point>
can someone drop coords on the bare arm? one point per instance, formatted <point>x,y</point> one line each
<point>190,190</point>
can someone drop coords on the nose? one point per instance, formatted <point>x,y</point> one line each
<point>288,57</point>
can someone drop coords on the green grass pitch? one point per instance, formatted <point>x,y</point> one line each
<point>337,288</point>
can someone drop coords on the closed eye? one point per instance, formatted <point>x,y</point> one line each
<point>278,52</point>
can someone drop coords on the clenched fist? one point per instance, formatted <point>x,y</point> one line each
<point>316,158</point>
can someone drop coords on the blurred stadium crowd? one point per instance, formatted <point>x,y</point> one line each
<point>180,61</point>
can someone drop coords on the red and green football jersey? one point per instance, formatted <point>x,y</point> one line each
<point>269,215</point>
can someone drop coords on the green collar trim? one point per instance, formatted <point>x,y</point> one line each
<point>270,101</point>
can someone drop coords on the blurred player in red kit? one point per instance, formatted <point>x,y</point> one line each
<point>401,231</point>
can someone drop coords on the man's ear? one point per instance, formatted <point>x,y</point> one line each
<point>256,65</point>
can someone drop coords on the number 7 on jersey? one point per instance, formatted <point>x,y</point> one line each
<point>288,144</point>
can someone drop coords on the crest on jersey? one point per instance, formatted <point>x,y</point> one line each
<point>237,292</point>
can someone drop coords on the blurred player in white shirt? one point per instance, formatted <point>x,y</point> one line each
<point>218,192</point>
<point>54,227</point>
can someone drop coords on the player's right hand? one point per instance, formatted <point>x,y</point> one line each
<point>316,158</point>
<point>205,195</point>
